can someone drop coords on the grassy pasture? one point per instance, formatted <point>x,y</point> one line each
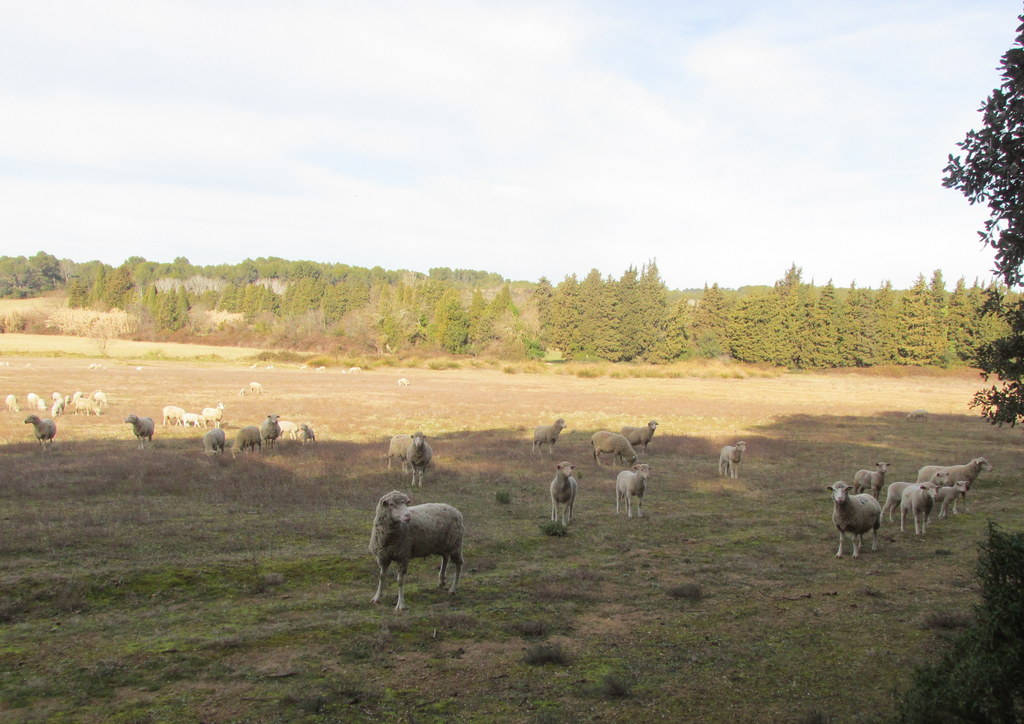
<point>163,585</point>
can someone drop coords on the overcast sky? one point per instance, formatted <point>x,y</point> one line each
<point>725,139</point>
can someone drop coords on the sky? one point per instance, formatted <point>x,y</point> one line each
<point>725,140</point>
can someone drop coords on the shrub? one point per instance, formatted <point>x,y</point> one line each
<point>554,528</point>
<point>540,654</point>
<point>503,497</point>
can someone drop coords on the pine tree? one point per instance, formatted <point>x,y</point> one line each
<point>888,329</point>
<point>599,314</point>
<point>963,324</point>
<point>751,336</point>
<point>711,323</point>
<point>859,329</point>
<point>450,326</point>
<point>119,289</point>
<point>78,294</point>
<point>921,342</point>
<point>824,332</point>
<point>654,313</point>
<point>674,338</point>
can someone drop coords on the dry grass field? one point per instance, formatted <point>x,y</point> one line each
<point>162,585</point>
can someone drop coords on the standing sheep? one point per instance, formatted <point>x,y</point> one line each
<point>917,499</point>
<point>870,480</point>
<point>954,492</point>
<point>214,441</point>
<point>918,415</point>
<point>547,435</point>
<point>614,443</point>
<point>142,427</point>
<point>88,406</point>
<point>640,436</point>
<point>418,454</point>
<point>629,483</point>
<point>563,492</point>
<point>100,397</point>
<point>256,388</point>
<point>12,403</point>
<point>729,459</point>
<point>398,448</point>
<point>289,429</point>
<point>270,430</point>
<point>173,415</point>
<point>46,429</point>
<point>247,437</point>
<point>894,493</point>
<point>58,407</point>
<point>307,433</point>
<point>401,532</point>
<point>213,414</point>
<point>192,419</point>
<point>856,515</point>
<point>967,471</point>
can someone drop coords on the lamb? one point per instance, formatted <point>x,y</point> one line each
<point>247,437</point>
<point>894,494</point>
<point>640,436</point>
<point>87,405</point>
<point>100,398</point>
<point>213,414</point>
<point>142,427</point>
<point>872,480</point>
<point>12,403</point>
<point>401,532</point>
<point>402,382</point>
<point>289,428</point>
<point>629,483</point>
<point>46,429</point>
<point>307,434</point>
<point>919,415</point>
<point>57,408</point>
<point>192,419</point>
<point>397,448</point>
<point>214,441</point>
<point>729,459</point>
<point>256,388</point>
<point>547,434</point>
<point>32,399</point>
<point>968,471</point>
<point>856,515</point>
<point>954,492</point>
<point>563,492</point>
<point>917,499</point>
<point>270,430</point>
<point>419,454</point>
<point>612,442</point>
<point>173,415</point>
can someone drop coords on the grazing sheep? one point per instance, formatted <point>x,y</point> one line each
<point>307,433</point>
<point>100,398</point>
<point>402,382</point>
<point>213,414</point>
<point>968,471</point>
<point>247,437</point>
<point>54,396</point>
<point>88,406</point>
<point>856,515</point>
<point>729,459</point>
<point>953,492</point>
<point>57,409</point>
<point>46,429</point>
<point>870,480</point>
<point>214,441</point>
<point>419,454</point>
<point>241,392</point>
<point>289,429</point>
<point>321,368</point>
<point>547,434</point>
<point>614,443</point>
<point>256,388</point>
<point>917,499</point>
<point>629,483</point>
<point>173,415</point>
<point>398,448</point>
<point>33,400</point>
<point>563,492</point>
<point>919,415</point>
<point>354,370</point>
<point>41,405</point>
<point>12,403</point>
<point>270,430</point>
<point>192,419</point>
<point>401,532</point>
<point>894,494</point>
<point>142,427</point>
<point>640,436</point>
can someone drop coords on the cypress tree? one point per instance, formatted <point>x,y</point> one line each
<point>450,326</point>
<point>711,323</point>
<point>567,318</point>
<point>887,325</point>
<point>860,327</point>
<point>600,317</point>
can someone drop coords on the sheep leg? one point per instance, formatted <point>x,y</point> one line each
<point>400,606</point>
<point>457,560</point>
<point>554,509</point>
<point>903,516</point>
<point>380,582</point>
<point>874,538</point>
<point>629,505</point>
<point>618,497</point>
<point>857,541</point>
<point>443,571</point>
<point>839,553</point>
<point>640,507</point>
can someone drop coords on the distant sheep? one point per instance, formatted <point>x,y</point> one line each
<point>729,459</point>
<point>247,437</point>
<point>871,481</point>
<point>289,429</point>
<point>954,492</point>
<point>270,430</point>
<point>398,448</point>
<point>563,491</point>
<point>57,409</point>
<point>612,442</point>
<point>12,403</point>
<point>354,370</point>
<point>192,419</point>
<point>32,400</point>
<point>101,397</point>
<point>46,429</point>
<point>214,441</point>
<point>418,454</point>
<point>401,532</point>
<point>402,382</point>
<point>894,493</point>
<point>856,515</point>
<point>547,435</point>
<point>629,483</point>
<point>321,368</point>
<point>306,433</point>
<point>142,427</point>
<point>256,388</point>
<point>918,415</point>
<point>213,414</point>
<point>640,436</point>
<point>88,406</point>
<point>173,415</point>
<point>918,500</point>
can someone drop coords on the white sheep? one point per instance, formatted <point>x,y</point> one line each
<point>88,406</point>
<point>640,436</point>
<point>418,454</point>
<point>192,419</point>
<point>12,403</point>
<point>917,499</point>
<point>100,397</point>
<point>401,532</point>
<point>547,435</point>
<point>173,415</point>
<point>57,409</point>
<point>307,434</point>
<point>54,396</point>
<point>46,429</point>
<point>354,370</point>
<point>241,392</point>
<point>894,493</point>
<point>321,368</point>
<point>256,388</point>
<point>856,515</point>
<point>214,441</point>
<point>919,415</point>
<point>289,429</point>
<point>402,382</point>
<point>142,427</point>
<point>41,404</point>
<point>870,480</point>
<point>32,400</point>
<point>729,459</point>
<point>270,430</point>
<point>213,414</point>
<point>563,492</point>
<point>953,492</point>
<point>629,483</point>
<point>397,448</point>
<point>247,437</point>
<point>603,441</point>
<point>967,471</point>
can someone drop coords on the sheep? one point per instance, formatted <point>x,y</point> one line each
<point>563,492</point>
<point>894,494</point>
<point>12,403</point>
<point>968,471</point>
<point>241,392</point>
<point>87,405</point>
<point>32,399</point>
<point>917,499</point>
<point>729,459</point>
<point>214,441</point>
<point>547,434</point>
<point>192,419</point>
<point>919,415</point>
<point>307,434</point>
<point>401,532</point>
<point>57,409</point>
<point>954,492</point>
<point>142,427</point>
<point>41,404</point>
<point>289,428</point>
<point>173,415</point>
<point>354,370</point>
<point>256,388</point>
<point>419,454</point>
<point>402,382</point>
<point>247,437</point>
<point>76,395</point>
<point>100,397</point>
<point>856,515</point>
<point>321,368</point>
<point>46,429</point>
<point>397,448</point>
<point>629,483</point>
<point>640,436</point>
<point>213,414</point>
<point>270,430</point>
<point>870,480</point>
<point>54,396</point>
<point>612,442</point>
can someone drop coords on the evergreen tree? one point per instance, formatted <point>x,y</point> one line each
<point>97,292</point>
<point>543,297</point>
<point>963,319</point>
<point>860,328</point>
<point>674,338</point>
<point>78,294</point>
<point>631,325</point>
<point>751,337</point>
<point>921,342</point>
<point>711,323</point>
<point>119,289</point>
<point>567,333</point>
<point>654,313</point>
<point>599,314</point>
<point>888,329</point>
<point>824,330</point>
<point>450,327</point>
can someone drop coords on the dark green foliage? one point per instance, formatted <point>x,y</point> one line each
<point>980,678</point>
<point>541,654</point>
<point>554,528</point>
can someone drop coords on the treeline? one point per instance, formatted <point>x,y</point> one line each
<point>634,318</point>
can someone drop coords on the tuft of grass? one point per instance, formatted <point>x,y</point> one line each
<point>686,592</point>
<point>616,685</point>
<point>503,497</point>
<point>543,654</point>
<point>554,528</point>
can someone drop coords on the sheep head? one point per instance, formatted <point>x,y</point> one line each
<point>840,491</point>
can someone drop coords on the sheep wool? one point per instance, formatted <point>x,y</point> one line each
<point>856,515</point>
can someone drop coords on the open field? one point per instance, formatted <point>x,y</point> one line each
<point>163,585</point>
